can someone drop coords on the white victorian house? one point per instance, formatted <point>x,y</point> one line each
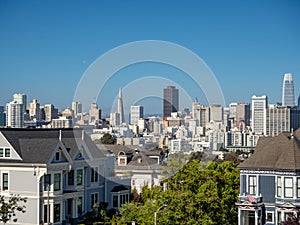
<point>61,172</point>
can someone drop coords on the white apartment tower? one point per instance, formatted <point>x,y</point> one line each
<point>136,113</point>
<point>115,119</point>
<point>34,110</point>
<point>21,99</point>
<point>259,114</point>
<point>77,108</point>
<point>14,115</point>
<point>288,96</point>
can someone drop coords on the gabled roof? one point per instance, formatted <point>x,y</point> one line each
<point>37,145</point>
<point>276,153</point>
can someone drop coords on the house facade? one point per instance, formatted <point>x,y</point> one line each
<point>62,174</point>
<point>143,167</point>
<point>270,181</point>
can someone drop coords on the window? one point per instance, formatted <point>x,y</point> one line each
<point>270,217</point>
<point>279,217</point>
<point>79,178</point>
<point>279,186</point>
<point>4,181</point>
<point>252,185</point>
<point>46,213</point>
<point>56,213</point>
<point>79,206</point>
<point>115,201</point>
<point>7,152</point>
<point>47,182</point>
<point>57,178</point>
<point>288,187</point>
<point>94,200</point>
<point>119,199</point>
<point>94,174</point>
<point>4,152</point>
<point>57,156</point>
<point>71,177</point>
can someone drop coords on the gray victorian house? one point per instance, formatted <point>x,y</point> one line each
<point>270,181</point>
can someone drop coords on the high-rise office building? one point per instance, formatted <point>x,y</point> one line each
<point>282,119</point>
<point>77,108</point>
<point>136,113</point>
<point>259,114</point>
<point>50,112</point>
<point>200,113</point>
<point>115,119</point>
<point>299,102</point>
<point>94,113</point>
<point>171,101</point>
<point>288,96</point>
<point>216,113</point>
<point>120,107</point>
<point>243,113</point>
<point>21,99</point>
<point>232,110</point>
<point>14,115</point>
<point>34,110</point>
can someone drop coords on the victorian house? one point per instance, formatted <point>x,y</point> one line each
<point>270,181</point>
<point>61,172</point>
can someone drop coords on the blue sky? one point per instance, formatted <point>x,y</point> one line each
<point>46,46</point>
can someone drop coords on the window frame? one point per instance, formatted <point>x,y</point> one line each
<point>57,182</point>
<point>290,188</point>
<point>4,183</point>
<point>46,183</point>
<point>273,218</point>
<point>57,219</point>
<point>94,174</point>
<point>79,206</point>
<point>252,187</point>
<point>298,187</point>
<point>71,178</point>
<point>79,178</point>
<point>94,197</point>
<point>279,186</point>
<point>5,152</point>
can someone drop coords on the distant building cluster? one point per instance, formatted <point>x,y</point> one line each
<point>201,128</point>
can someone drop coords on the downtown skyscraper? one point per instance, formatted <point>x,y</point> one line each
<point>288,96</point>
<point>259,114</point>
<point>171,101</point>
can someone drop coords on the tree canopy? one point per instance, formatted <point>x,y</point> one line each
<point>107,139</point>
<point>196,195</point>
<point>9,207</point>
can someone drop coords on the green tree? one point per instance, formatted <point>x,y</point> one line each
<point>9,206</point>
<point>196,194</point>
<point>107,139</point>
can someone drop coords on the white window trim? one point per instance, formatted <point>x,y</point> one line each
<point>273,218</point>
<point>95,170</point>
<point>75,180</point>
<point>284,193</point>
<point>10,152</point>
<point>82,205</point>
<point>94,193</point>
<point>61,183</point>
<point>1,178</point>
<point>248,183</point>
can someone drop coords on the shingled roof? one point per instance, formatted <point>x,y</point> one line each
<point>276,153</point>
<point>37,145</point>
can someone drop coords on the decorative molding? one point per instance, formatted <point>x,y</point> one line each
<point>244,172</point>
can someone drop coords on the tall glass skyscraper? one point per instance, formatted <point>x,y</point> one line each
<point>171,101</point>
<point>288,96</point>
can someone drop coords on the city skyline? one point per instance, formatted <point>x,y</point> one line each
<point>47,47</point>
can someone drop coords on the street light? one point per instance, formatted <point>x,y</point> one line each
<point>155,214</point>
